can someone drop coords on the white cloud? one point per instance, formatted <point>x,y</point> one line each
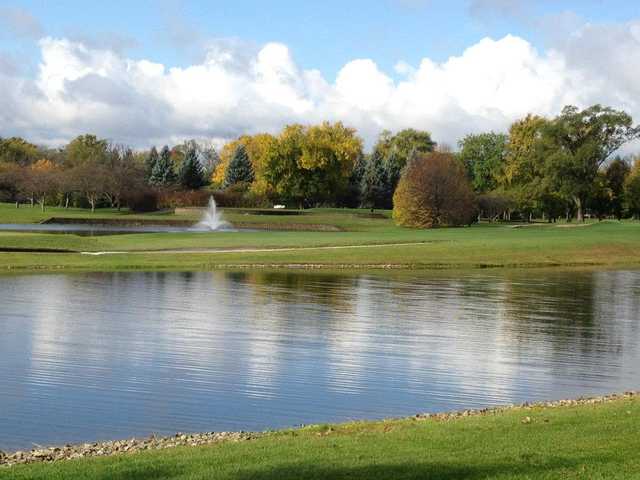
<point>236,90</point>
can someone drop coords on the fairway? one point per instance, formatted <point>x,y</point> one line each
<point>364,242</point>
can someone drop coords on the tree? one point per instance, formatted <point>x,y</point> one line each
<point>17,150</point>
<point>190,175</point>
<point>374,187</point>
<point>90,179</point>
<point>42,178</point>
<point>577,143</point>
<point>397,149</point>
<point>123,177</point>
<point>150,162</point>
<point>616,175</point>
<point>163,172</point>
<point>85,148</point>
<point>312,165</point>
<point>632,190</point>
<point>434,191</point>
<point>240,169</point>
<point>483,156</point>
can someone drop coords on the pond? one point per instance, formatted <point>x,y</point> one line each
<point>87,357</point>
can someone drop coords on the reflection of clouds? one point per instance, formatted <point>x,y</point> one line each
<point>128,352</point>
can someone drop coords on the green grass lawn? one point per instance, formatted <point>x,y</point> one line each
<point>615,244</point>
<point>579,442</point>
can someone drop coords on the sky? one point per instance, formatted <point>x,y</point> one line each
<point>154,72</point>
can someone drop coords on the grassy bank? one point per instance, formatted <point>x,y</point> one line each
<point>579,441</point>
<point>363,242</point>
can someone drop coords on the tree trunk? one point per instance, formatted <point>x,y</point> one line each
<point>580,214</point>
<point>66,201</point>
<point>17,204</point>
<point>42,203</point>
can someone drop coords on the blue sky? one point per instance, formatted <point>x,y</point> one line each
<point>149,72</point>
<point>323,35</point>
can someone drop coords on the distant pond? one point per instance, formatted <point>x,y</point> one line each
<point>87,357</point>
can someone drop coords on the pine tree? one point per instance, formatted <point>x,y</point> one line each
<point>374,182</point>
<point>191,171</point>
<point>150,163</point>
<point>240,169</point>
<point>163,172</point>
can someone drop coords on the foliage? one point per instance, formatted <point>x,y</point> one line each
<point>150,162</point>
<point>85,148</point>
<point>240,169</point>
<point>191,175</point>
<point>577,143</point>
<point>632,190</point>
<point>17,150</point>
<point>312,165</point>
<point>434,191</point>
<point>163,173</point>
<point>374,184</point>
<point>483,156</point>
<point>616,175</point>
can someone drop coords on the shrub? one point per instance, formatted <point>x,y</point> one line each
<point>183,198</point>
<point>434,191</point>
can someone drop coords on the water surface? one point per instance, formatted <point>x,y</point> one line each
<point>103,356</point>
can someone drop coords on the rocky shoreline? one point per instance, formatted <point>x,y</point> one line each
<point>121,447</point>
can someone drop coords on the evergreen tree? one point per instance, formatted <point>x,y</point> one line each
<point>150,162</point>
<point>374,187</point>
<point>240,169</point>
<point>163,172</point>
<point>191,171</point>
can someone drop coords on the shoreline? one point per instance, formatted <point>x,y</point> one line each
<point>131,446</point>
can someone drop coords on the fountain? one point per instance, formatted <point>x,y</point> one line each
<point>212,219</point>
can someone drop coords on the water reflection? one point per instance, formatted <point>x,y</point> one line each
<point>99,356</point>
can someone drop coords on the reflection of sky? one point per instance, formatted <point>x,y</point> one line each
<point>98,356</point>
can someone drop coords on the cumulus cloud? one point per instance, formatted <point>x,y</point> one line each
<point>80,88</point>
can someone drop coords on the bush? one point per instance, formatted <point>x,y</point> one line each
<point>434,191</point>
<point>239,196</point>
<point>146,200</point>
<point>183,198</point>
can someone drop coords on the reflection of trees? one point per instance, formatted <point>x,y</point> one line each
<point>561,306</point>
<point>320,288</point>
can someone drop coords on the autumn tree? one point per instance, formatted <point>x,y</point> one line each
<point>43,179</point>
<point>434,191</point>
<point>312,165</point>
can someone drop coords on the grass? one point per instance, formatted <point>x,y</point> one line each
<point>580,442</point>
<point>364,243</point>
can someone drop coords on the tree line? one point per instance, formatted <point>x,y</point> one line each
<point>542,167</point>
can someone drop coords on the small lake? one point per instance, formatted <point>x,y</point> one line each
<point>89,357</point>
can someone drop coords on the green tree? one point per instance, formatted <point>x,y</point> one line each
<point>578,142</point>
<point>374,187</point>
<point>240,169</point>
<point>163,172</point>
<point>483,156</point>
<point>397,149</point>
<point>85,148</point>
<point>191,175</point>
<point>17,150</point>
<point>150,162</point>
<point>632,190</point>
<point>616,174</point>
